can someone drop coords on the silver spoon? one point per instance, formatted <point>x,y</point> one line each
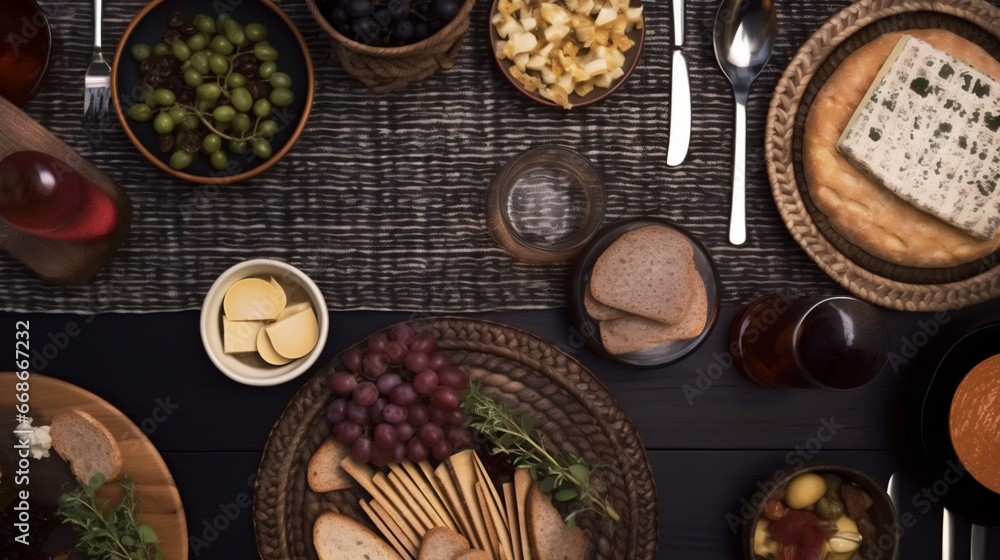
<point>744,38</point>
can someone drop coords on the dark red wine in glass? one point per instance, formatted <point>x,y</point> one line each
<point>44,196</point>
<point>25,48</point>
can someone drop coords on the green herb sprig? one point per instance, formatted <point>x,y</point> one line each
<point>108,532</point>
<point>565,476</point>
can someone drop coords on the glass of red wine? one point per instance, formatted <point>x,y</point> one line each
<point>783,341</point>
<point>25,49</point>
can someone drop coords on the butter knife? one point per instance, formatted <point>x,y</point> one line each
<point>680,94</point>
<point>947,536</point>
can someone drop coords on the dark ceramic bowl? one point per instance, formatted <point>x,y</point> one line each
<point>588,326</point>
<point>881,514</point>
<point>598,94</point>
<point>148,28</point>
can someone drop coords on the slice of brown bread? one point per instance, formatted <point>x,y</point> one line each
<point>441,543</point>
<point>339,537</point>
<point>548,536</point>
<point>598,310</point>
<point>86,444</point>
<point>632,332</point>
<point>325,473</point>
<point>646,272</point>
<point>474,554</point>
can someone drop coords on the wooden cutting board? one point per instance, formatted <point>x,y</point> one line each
<point>61,262</point>
<point>160,503</point>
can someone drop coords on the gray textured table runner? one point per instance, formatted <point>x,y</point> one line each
<point>382,199</point>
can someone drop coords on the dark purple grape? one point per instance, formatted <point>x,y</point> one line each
<point>398,9</point>
<point>399,454</point>
<point>357,8</point>
<point>403,29</point>
<point>442,450</point>
<point>352,359</point>
<point>357,413</point>
<point>439,360</point>
<point>445,9</point>
<point>424,8</point>
<point>395,352</point>
<point>434,25</point>
<point>423,342</point>
<point>365,393</point>
<point>416,361</point>
<point>430,434</point>
<point>445,399</point>
<point>385,436</point>
<point>460,437</point>
<point>376,409</point>
<point>417,451</point>
<point>336,411</point>
<point>393,413</point>
<point>403,394</point>
<point>377,342</point>
<point>387,381</point>
<point>438,417</point>
<point>375,364</point>
<point>343,383</point>
<point>420,31</point>
<point>405,431</point>
<point>338,15</point>
<point>382,457</point>
<point>361,450</point>
<point>457,417</point>
<point>425,382</point>
<point>417,414</point>
<point>382,17</point>
<point>346,432</point>
<point>401,332</point>
<point>454,378</point>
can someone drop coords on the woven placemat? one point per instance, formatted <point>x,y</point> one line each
<point>570,406</point>
<point>869,278</point>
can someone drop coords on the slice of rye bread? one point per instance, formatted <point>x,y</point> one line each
<point>548,536</point>
<point>338,537</point>
<point>646,272</point>
<point>325,473</point>
<point>632,332</point>
<point>441,543</point>
<point>598,310</point>
<point>86,444</point>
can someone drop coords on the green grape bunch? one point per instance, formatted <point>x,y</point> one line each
<point>211,86</point>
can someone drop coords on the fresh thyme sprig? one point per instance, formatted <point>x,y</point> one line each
<point>566,477</point>
<point>108,532</point>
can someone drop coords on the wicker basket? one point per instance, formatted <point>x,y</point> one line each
<point>869,278</point>
<point>384,69</point>
<point>571,407</point>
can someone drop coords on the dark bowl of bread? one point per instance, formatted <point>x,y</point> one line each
<point>645,292</point>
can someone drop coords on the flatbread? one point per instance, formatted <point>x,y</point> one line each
<point>862,211</point>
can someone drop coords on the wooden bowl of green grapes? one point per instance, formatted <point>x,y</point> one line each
<point>209,97</point>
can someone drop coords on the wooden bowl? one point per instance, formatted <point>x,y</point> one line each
<point>147,28</point>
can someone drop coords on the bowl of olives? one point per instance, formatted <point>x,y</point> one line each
<point>212,97</point>
<point>821,512</point>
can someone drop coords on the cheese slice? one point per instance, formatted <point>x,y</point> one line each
<point>240,336</point>
<point>929,131</point>
<point>254,299</point>
<point>267,351</point>
<point>292,309</point>
<point>295,335</point>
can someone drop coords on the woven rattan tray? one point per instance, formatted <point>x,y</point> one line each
<point>877,281</point>
<point>570,406</point>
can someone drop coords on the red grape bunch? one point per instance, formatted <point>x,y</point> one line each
<point>396,397</point>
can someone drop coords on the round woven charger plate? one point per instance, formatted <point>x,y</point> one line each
<point>869,278</point>
<point>570,407</point>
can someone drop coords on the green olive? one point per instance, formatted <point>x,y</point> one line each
<point>193,78</point>
<point>218,63</point>
<point>236,80</point>
<point>262,108</point>
<point>199,62</point>
<point>265,52</point>
<point>148,98</point>
<point>281,80</point>
<point>255,32</point>
<point>224,113</point>
<point>181,50</point>
<point>180,159</point>
<point>267,129</point>
<point>208,91</point>
<point>164,97</point>
<point>265,70</point>
<point>241,123</point>
<point>197,42</point>
<point>261,148</point>
<point>211,143</point>
<point>219,160</point>
<point>828,509</point>
<point>163,124</point>
<point>237,146</point>
<point>190,122</point>
<point>204,23</point>
<point>833,482</point>
<point>234,32</point>
<point>241,99</point>
<point>177,114</point>
<point>161,49</point>
<point>141,51</point>
<point>282,97</point>
<point>221,45</point>
<point>140,112</point>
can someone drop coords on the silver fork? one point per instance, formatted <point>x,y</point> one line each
<point>97,83</point>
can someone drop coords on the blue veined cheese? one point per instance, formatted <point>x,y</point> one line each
<point>929,131</point>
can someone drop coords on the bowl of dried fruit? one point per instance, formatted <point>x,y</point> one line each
<point>212,98</point>
<point>387,44</point>
<point>567,54</point>
<point>820,512</point>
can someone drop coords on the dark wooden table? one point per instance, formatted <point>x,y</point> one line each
<point>711,434</point>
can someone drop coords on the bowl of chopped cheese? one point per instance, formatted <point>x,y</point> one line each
<point>567,54</point>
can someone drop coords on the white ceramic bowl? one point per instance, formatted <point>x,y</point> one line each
<point>250,368</point>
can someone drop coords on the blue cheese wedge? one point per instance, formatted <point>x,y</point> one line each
<point>929,131</point>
